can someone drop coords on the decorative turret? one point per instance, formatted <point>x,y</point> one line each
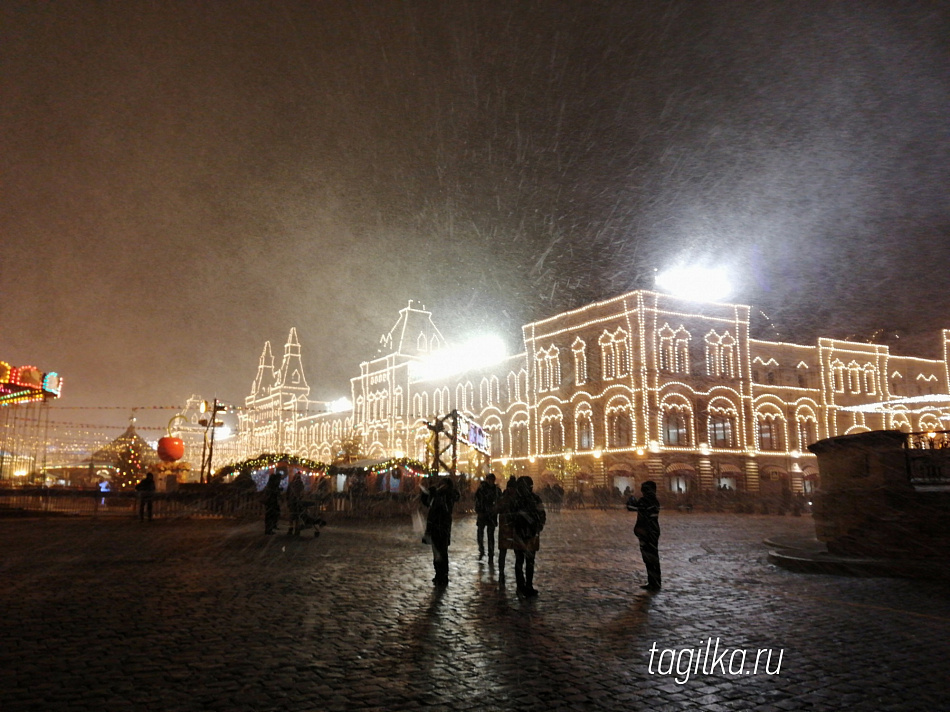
<point>414,334</point>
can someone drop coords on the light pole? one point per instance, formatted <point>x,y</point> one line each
<point>211,422</point>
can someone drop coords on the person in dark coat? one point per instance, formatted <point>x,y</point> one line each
<point>440,498</point>
<point>504,508</point>
<point>647,530</point>
<point>295,504</point>
<point>271,497</point>
<point>527,520</point>
<point>486,502</point>
<point>146,492</point>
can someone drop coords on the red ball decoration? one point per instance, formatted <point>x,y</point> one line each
<point>171,449</point>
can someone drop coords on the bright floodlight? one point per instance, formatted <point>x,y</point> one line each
<point>340,405</point>
<point>699,284</point>
<point>479,352</point>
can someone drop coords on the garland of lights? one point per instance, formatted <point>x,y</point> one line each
<point>266,460</point>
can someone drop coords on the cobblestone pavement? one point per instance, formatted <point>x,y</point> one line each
<point>202,615</point>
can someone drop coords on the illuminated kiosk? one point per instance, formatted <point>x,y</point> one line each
<point>884,494</point>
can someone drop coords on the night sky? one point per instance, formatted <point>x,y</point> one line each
<point>183,181</point>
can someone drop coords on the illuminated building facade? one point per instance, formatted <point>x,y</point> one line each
<point>640,386</point>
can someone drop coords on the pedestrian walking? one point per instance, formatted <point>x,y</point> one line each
<point>647,530</point>
<point>271,498</point>
<point>440,498</point>
<point>505,507</point>
<point>527,522</point>
<point>146,492</point>
<point>486,516</point>
<point>295,504</point>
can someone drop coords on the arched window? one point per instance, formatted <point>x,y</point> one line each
<point>552,434</point>
<point>397,403</point>
<point>513,393</point>
<point>682,350</point>
<point>667,350</point>
<point>722,428</point>
<point>621,353</point>
<point>584,428</point>
<point>728,367</point>
<point>771,433</point>
<point>541,368</point>
<point>807,431</point>
<point>901,422</point>
<point>549,369</point>
<point>497,442</point>
<point>676,427</point>
<point>619,426</point>
<point>494,430</point>
<point>519,439</point>
<point>837,376</point>
<point>713,354</point>
<point>579,347</point>
<point>870,380</point>
<point>607,356</point>
<point>854,377</point>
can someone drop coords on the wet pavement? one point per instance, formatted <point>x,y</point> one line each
<point>210,615</point>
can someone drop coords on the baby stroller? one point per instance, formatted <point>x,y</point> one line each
<point>308,518</point>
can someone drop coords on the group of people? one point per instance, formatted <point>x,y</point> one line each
<point>296,504</point>
<point>517,513</point>
<point>519,516</point>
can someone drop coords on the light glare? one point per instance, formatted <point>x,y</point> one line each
<point>699,284</point>
<point>479,352</point>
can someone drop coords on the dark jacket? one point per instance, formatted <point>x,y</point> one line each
<point>647,508</point>
<point>440,499</point>
<point>527,520</point>
<point>486,501</point>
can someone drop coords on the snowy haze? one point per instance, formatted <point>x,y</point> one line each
<point>182,181</point>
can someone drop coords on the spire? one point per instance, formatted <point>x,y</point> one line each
<point>291,376</point>
<point>265,372</point>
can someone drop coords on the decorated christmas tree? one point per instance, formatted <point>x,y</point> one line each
<point>128,456</point>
